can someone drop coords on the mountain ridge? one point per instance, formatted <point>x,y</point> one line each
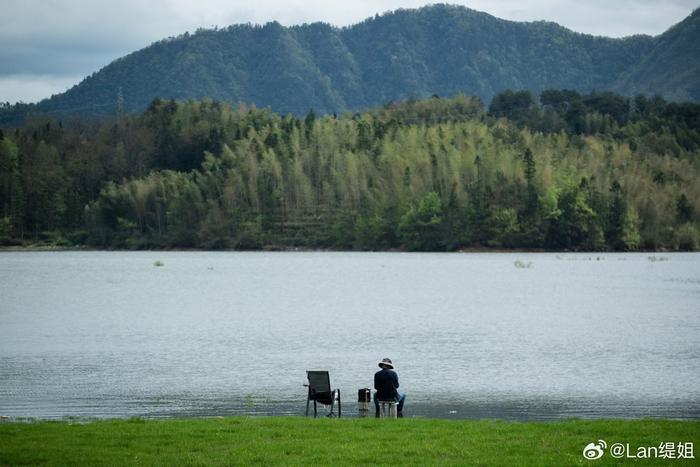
<point>438,49</point>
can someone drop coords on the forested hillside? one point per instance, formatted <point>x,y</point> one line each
<point>561,171</point>
<point>439,49</point>
<point>671,68</point>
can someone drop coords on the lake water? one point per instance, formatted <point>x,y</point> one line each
<point>512,336</point>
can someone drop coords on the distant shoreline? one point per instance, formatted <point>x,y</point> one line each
<point>55,248</point>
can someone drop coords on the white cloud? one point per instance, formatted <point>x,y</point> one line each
<point>617,18</point>
<point>612,18</point>
<point>33,88</point>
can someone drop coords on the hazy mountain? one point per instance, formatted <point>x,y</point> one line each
<point>438,49</point>
<point>672,67</point>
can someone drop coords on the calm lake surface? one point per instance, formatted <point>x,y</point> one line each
<point>506,335</point>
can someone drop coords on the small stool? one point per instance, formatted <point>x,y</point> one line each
<point>387,409</point>
<point>364,397</point>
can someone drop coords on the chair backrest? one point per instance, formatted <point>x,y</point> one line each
<point>320,391</point>
<point>319,382</point>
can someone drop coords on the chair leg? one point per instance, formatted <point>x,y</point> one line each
<point>315,412</point>
<point>307,406</point>
<point>339,412</point>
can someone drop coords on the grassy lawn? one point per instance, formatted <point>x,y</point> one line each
<point>302,441</point>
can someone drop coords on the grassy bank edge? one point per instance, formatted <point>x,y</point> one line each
<point>304,441</point>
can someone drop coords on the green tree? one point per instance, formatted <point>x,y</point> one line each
<point>531,198</point>
<point>421,227</point>
<point>684,210</point>
<point>503,228</point>
<point>573,224</point>
<point>11,192</point>
<point>5,230</point>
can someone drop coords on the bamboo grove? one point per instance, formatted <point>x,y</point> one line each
<point>565,172</point>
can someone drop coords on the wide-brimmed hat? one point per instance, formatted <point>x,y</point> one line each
<point>386,362</point>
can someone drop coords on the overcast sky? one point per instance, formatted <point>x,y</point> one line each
<point>46,46</point>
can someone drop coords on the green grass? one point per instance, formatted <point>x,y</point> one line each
<point>303,441</point>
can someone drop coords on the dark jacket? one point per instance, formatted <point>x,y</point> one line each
<point>386,382</point>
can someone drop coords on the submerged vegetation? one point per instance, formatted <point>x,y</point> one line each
<point>563,172</point>
<point>522,264</point>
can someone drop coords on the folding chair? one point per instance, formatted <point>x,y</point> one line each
<point>320,392</point>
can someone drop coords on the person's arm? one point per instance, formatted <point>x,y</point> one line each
<point>396,379</point>
<point>375,382</point>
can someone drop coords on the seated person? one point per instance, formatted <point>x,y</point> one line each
<point>386,382</point>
